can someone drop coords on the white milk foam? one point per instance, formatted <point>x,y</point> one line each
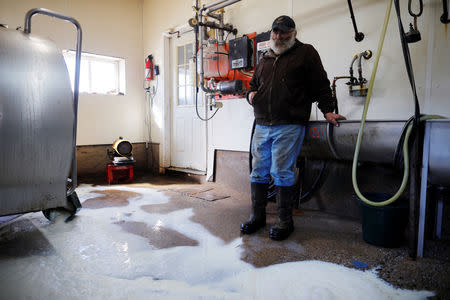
<point>95,259</point>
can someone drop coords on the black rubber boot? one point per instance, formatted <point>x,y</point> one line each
<point>257,218</point>
<point>284,225</point>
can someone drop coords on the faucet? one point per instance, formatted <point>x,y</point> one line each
<point>360,91</point>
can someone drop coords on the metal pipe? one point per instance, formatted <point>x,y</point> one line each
<point>214,25</point>
<point>351,67</point>
<point>27,29</point>
<point>445,17</point>
<point>360,77</point>
<point>359,36</point>
<point>220,31</point>
<point>213,4</point>
<point>200,49</point>
<point>224,4</point>
<point>197,48</point>
<point>366,54</point>
<point>214,16</point>
<point>333,87</point>
<point>423,192</point>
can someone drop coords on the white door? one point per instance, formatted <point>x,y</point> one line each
<point>188,133</point>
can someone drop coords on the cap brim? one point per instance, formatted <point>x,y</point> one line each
<point>282,28</point>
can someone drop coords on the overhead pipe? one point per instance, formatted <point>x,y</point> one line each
<point>206,6</point>
<point>219,6</point>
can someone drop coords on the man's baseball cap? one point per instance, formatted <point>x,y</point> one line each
<point>283,23</point>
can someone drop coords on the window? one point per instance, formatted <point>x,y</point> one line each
<point>185,75</point>
<point>99,74</point>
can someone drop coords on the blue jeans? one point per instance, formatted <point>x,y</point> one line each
<point>275,150</point>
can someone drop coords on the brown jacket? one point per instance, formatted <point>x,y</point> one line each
<point>288,84</point>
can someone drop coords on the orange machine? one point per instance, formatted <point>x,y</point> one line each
<point>243,74</point>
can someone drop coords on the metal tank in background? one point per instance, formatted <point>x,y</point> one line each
<point>38,117</point>
<point>324,141</point>
<point>381,144</point>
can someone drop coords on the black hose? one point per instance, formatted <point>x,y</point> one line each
<point>315,183</point>
<point>336,108</point>
<point>398,155</point>
<point>250,156</point>
<point>409,68</point>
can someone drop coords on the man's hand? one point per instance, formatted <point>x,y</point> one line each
<point>250,97</point>
<point>333,118</point>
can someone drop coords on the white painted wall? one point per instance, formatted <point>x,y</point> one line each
<point>132,29</point>
<point>326,25</point>
<point>110,27</point>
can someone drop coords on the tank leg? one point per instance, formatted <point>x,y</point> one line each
<point>53,213</point>
<point>72,207</point>
<point>74,203</point>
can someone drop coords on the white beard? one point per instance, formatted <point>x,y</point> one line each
<point>286,45</point>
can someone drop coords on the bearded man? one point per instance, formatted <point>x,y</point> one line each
<point>287,80</point>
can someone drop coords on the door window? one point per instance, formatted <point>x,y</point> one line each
<point>185,75</point>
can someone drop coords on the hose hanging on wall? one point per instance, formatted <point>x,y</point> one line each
<point>413,122</point>
<point>359,36</point>
<point>363,119</point>
<point>407,57</point>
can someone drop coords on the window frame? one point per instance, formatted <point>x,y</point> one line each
<point>86,57</point>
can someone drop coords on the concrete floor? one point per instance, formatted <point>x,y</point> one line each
<point>220,211</point>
